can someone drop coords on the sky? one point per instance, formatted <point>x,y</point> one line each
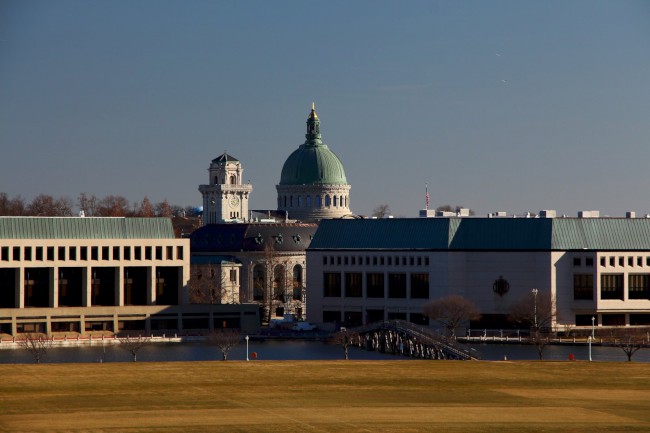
<point>509,106</point>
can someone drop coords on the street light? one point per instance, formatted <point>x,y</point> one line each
<point>535,291</point>
<point>247,338</point>
<point>589,341</point>
<point>593,321</point>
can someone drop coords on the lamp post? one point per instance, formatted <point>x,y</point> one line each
<point>593,322</point>
<point>589,341</point>
<point>535,291</point>
<point>247,338</point>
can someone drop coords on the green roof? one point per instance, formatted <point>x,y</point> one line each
<point>506,234</point>
<point>85,228</point>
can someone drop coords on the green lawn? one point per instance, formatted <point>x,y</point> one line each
<point>326,396</point>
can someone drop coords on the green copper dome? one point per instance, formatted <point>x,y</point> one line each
<point>313,163</point>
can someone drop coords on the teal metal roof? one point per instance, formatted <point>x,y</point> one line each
<point>85,228</point>
<point>506,234</point>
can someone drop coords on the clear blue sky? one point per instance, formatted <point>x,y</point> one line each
<point>497,105</point>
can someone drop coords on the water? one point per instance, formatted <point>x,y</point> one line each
<point>299,350</point>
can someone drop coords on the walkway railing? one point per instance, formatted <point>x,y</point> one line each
<point>406,338</point>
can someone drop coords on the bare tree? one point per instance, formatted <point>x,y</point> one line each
<point>88,204</point>
<point>36,344</point>
<point>163,209</point>
<point>207,284</point>
<point>133,344</point>
<point>345,338</point>
<point>113,206</point>
<point>629,340</point>
<point>381,211</point>
<point>224,339</point>
<point>536,310</point>
<point>12,206</point>
<point>146,208</point>
<point>450,208</point>
<point>451,311</point>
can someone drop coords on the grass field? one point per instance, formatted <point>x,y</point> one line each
<point>326,396</point>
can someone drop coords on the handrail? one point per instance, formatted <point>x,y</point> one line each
<point>425,335</point>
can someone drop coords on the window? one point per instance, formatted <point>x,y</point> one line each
<point>116,253</point>
<point>419,261</point>
<point>621,261</point>
<point>583,287</point>
<point>83,252</point>
<point>426,261</point>
<point>127,253</point>
<point>577,261</point>
<point>28,253</point>
<point>308,201</point>
<point>638,286</point>
<point>327,201</point>
<point>331,317</point>
<point>179,253</point>
<point>390,261</point>
<point>147,253</point>
<point>375,285</point>
<point>589,262</point>
<point>94,253</point>
<point>338,260</point>
<point>381,261</point>
<point>397,285</point>
<point>39,253</point>
<point>345,260</point>
<point>233,275</point>
<point>4,252</point>
<point>159,253</point>
<point>353,285</point>
<point>331,285</point>
<point>611,286</point>
<point>106,253</point>
<point>169,253</point>
<point>374,261</point>
<point>420,286</point>
<point>411,261</point>
<point>72,253</point>
<point>138,253</point>
<point>259,275</point>
<point>324,260</point>
<point>297,283</point>
<point>613,319</point>
<point>639,261</point>
<point>353,260</point>
<point>612,262</point>
<point>603,262</point>
<point>16,254</point>
<point>630,261</point>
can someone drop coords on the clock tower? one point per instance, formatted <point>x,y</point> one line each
<point>225,197</point>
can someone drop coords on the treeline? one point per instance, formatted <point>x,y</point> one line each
<point>109,206</point>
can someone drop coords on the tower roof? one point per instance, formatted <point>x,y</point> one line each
<point>313,163</point>
<point>225,158</point>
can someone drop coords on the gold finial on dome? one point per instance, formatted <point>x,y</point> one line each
<point>313,110</point>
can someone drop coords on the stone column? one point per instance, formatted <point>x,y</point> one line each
<point>54,287</point>
<point>151,285</point>
<point>19,285</point>
<point>86,287</point>
<point>120,287</point>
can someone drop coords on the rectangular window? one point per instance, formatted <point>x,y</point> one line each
<point>639,261</point>
<point>345,260</point>
<point>331,317</point>
<point>159,254</point>
<point>374,261</point>
<point>147,253</point>
<point>28,253</point>
<point>397,285</point>
<point>179,253</point>
<point>621,261</point>
<point>577,261</point>
<point>94,253</point>
<point>116,253</point>
<point>611,286</point>
<point>381,261</point>
<point>612,262</point>
<point>106,253</point>
<point>419,261</point>
<point>338,260</point>
<point>603,262</point>
<point>4,252</point>
<point>83,252</point>
<point>324,260</point>
<point>390,261</point>
<point>353,285</point>
<point>127,253</point>
<point>630,261</point>
<point>367,261</point>
<point>61,253</point>
<point>39,253</point>
<point>170,253</point>
<point>233,275</point>
<point>638,286</point>
<point>426,261</point>
<point>138,253</point>
<point>647,261</point>
<point>72,253</point>
<point>420,286</point>
<point>589,262</point>
<point>16,254</point>
<point>412,261</point>
<point>331,284</point>
<point>374,285</point>
<point>353,261</point>
<point>583,287</point>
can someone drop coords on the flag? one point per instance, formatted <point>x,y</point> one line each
<point>427,197</point>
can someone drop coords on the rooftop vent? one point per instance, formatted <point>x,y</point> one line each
<point>547,214</point>
<point>630,214</point>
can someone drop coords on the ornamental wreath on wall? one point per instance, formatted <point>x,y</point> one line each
<point>501,286</point>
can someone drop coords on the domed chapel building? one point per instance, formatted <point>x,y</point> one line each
<point>313,185</point>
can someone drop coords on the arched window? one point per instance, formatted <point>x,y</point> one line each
<point>308,201</point>
<point>327,200</point>
<point>336,201</point>
<point>285,201</point>
<point>259,276</point>
<point>290,201</point>
<point>216,180</point>
<point>299,201</point>
<point>318,201</point>
<point>278,283</point>
<point>233,180</point>
<point>297,283</point>
<point>341,201</point>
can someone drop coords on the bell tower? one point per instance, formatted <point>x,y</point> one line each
<point>225,197</point>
